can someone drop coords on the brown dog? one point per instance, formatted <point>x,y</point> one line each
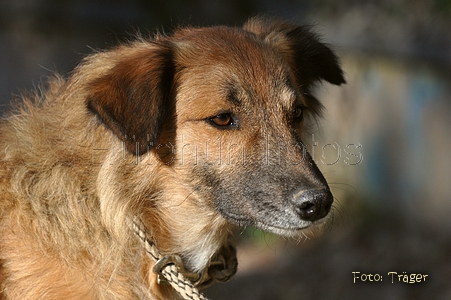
<point>190,134</point>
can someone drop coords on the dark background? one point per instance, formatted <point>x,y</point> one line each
<point>392,208</point>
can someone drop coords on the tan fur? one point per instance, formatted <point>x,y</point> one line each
<point>72,177</point>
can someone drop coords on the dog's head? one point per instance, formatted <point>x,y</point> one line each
<point>232,102</point>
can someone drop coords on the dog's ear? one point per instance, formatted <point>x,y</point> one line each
<point>131,98</point>
<point>309,59</point>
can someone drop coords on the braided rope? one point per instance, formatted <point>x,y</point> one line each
<point>183,286</point>
<point>169,271</point>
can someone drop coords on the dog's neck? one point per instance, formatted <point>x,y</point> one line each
<point>195,243</point>
<point>221,266</point>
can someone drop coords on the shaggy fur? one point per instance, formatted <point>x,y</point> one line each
<point>195,133</point>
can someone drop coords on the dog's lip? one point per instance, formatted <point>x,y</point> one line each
<point>288,230</point>
<point>280,230</point>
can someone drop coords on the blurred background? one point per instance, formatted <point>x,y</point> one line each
<point>384,144</point>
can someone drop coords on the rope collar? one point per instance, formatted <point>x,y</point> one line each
<point>171,271</point>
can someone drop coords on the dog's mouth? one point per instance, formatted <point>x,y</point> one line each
<point>286,217</point>
<point>290,231</point>
<point>281,228</point>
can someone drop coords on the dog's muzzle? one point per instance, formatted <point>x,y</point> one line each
<point>312,205</point>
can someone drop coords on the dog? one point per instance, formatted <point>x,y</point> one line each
<point>150,154</point>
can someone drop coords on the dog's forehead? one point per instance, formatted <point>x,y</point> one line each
<point>234,61</point>
<point>234,47</point>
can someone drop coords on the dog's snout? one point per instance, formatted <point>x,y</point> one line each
<point>312,205</point>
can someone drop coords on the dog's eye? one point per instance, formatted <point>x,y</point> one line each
<point>298,114</point>
<point>222,120</point>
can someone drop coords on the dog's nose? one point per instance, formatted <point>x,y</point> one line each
<point>312,205</point>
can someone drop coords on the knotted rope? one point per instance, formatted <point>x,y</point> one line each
<point>169,267</point>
